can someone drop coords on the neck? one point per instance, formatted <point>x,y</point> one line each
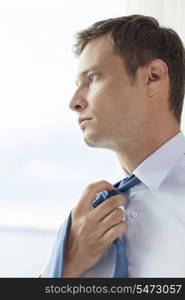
<point>139,147</point>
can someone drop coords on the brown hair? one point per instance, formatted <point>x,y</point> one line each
<point>138,39</point>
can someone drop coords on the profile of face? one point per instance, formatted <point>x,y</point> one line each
<point>106,95</point>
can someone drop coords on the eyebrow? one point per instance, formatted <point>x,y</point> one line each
<point>85,72</point>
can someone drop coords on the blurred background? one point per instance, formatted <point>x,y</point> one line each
<point>44,162</point>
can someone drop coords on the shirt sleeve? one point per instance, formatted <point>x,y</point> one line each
<point>54,267</point>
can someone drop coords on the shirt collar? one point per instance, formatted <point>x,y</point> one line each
<point>155,168</point>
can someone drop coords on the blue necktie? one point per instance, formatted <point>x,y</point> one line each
<point>121,268</point>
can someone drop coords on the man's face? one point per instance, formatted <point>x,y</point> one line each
<point>106,94</point>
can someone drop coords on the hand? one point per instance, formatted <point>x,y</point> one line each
<point>92,229</point>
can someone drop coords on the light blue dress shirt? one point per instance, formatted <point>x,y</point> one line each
<point>155,240</point>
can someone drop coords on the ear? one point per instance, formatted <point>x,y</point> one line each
<point>156,76</point>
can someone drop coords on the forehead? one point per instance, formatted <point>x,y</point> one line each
<point>96,53</point>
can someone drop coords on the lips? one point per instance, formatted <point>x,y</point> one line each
<point>80,120</point>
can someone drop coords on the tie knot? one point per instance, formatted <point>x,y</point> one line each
<point>128,182</point>
<point>119,188</point>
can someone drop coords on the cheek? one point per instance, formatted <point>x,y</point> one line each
<point>98,100</point>
<point>104,94</point>
<point>113,101</point>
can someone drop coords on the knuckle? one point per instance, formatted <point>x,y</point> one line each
<point>118,212</point>
<point>97,185</point>
<point>102,182</point>
<point>89,218</point>
<point>119,199</point>
<point>90,186</point>
<point>82,227</point>
<point>98,182</point>
<point>114,202</point>
<point>110,203</point>
<point>83,223</point>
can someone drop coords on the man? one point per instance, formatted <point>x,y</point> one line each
<point>129,99</point>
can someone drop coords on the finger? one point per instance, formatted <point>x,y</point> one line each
<point>108,206</point>
<point>114,218</point>
<point>91,190</point>
<point>124,212</point>
<point>112,234</point>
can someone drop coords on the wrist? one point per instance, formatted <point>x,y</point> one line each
<point>71,270</point>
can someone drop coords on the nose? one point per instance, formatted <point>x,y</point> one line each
<point>78,102</point>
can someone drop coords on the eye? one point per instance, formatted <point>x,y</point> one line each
<point>92,77</point>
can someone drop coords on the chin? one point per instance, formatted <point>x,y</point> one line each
<point>95,141</point>
<point>89,142</point>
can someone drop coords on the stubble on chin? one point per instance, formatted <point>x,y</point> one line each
<point>95,140</point>
<point>89,141</point>
<point>92,139</point>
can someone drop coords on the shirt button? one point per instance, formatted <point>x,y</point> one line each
<point>134,214</point>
